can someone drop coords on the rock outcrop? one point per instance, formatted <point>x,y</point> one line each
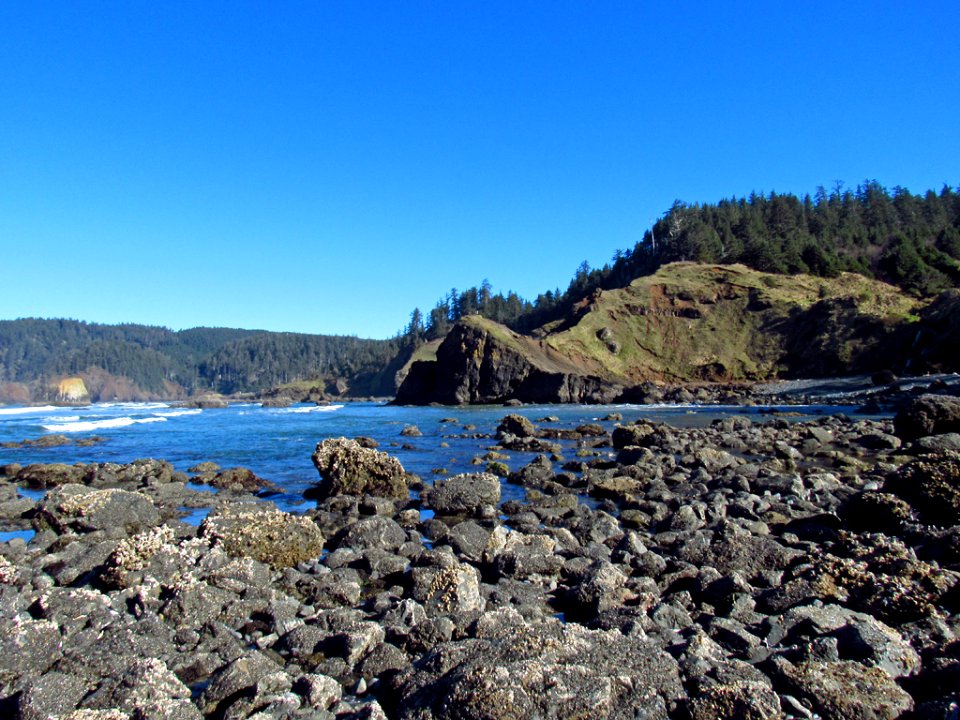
<point>687,323</point>
<point>348,468</point>
<point>483,362</point>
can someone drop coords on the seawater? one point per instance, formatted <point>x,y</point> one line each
<point>276,443</point>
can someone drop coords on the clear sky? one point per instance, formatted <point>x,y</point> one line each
<point>325,167</point>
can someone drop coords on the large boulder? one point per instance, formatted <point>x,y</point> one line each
<point>348,468</point>
<point>78,508</point>
<point>463,494</point>
<point>42,476</point>
<point>266,535</point>
<point>928,415</point>
<point>845,690</point>
<point>517,425</point>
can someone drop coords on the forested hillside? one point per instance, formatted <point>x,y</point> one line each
<point>911,241</point>
<point>163,363</point>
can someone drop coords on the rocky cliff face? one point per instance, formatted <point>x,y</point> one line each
<point>691,323</point>
<point>72,390</point>
<point>482,362</point>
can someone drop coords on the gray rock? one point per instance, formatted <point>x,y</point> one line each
<point>265,534</point>
<point>939,443</point>
<point>149,689</point>
<point>463,494</point>
<point>450,589</point>
<point>736,701</point>
<point>928,415</point>
<point>318,691</point>
<point>373,532</point>
<point>600,587</point>
<point>51,695</point>
<point>512,670</point>
<point>239,678</point>
<point>859,636</point>
<point>346,467</point>
<point>81,509</point>
<point>845,690</point>
<point>27,649</point>
<point>520,556</point>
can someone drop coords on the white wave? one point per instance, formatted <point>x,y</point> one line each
<point>178,413</point>
<point>88,425</point>
<point>310,409</point>
<point>28,410</point>
<point>141,406</point>
<point>61,419</point>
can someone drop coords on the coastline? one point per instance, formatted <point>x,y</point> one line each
<point>735,569</point>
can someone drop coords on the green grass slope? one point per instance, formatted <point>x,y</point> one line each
<point>693,321</point>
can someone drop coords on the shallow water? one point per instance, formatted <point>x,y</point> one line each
<point>276,443</point>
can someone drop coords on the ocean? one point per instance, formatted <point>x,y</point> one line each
<point>276,443</point>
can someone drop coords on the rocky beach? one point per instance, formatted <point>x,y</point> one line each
<point>755,568</point>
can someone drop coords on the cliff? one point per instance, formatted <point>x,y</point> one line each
<point>687,322</point>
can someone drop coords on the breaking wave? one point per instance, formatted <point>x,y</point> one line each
<point>178,413</point>
<point>87,425</point>
<point>27,410</point>
<point>310,409</point>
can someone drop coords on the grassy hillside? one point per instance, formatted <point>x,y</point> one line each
<point>713,322</point>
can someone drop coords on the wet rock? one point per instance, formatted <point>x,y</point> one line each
<point>883,512</point>
<point>346,467</point>
<point>41,476</point>
<point>516,425</point>
<point>237,480</point>
<point>928,415</point>
<point>465,494</point>
<point>267,535</point>
<point>81,509</point>
<point>411,431</point>
<point>641,434</point>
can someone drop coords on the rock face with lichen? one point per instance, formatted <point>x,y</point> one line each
<point>348,468</point>
<point>267,535</point>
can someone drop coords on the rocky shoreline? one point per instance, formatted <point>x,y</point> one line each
<point>744,570</point>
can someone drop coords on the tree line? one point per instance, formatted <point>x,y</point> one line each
<point>199,359</point>
<point>911,241</point>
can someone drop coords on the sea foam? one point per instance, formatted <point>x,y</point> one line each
<point>310,409</point>
<point>87,425</point>
<point>178,413</point>
<point>28,410</point>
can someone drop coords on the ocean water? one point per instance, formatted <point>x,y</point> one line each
<point>276,443</point>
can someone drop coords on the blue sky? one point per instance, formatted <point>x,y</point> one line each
<point>325,167</point>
